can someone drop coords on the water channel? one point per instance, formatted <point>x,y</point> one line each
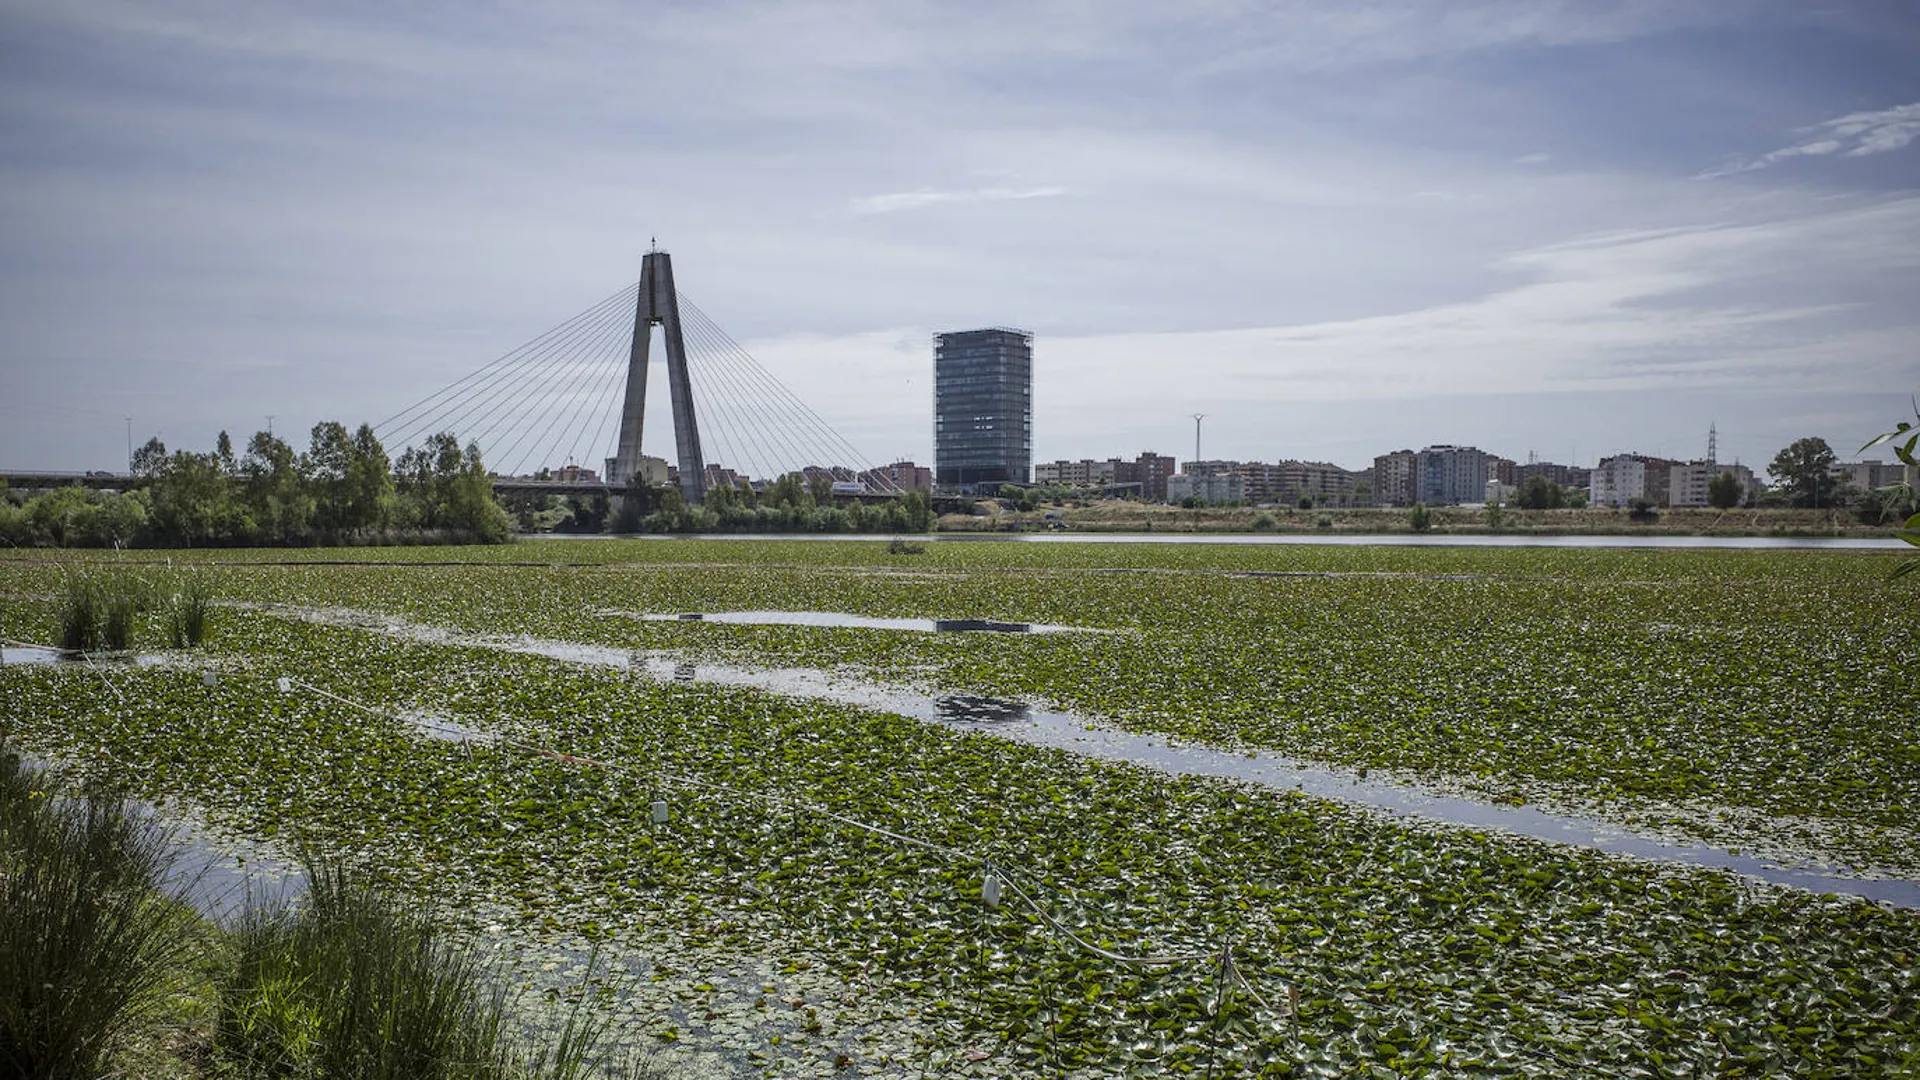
<point>1077,734</point>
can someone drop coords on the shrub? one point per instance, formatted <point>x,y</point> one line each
<point>898,546</point>
<point>1420,519</point>
<point>1264,522</point>
<point>89,944</point>
<point>1324,521</point>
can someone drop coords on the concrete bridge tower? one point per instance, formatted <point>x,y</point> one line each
<point>658,305</point>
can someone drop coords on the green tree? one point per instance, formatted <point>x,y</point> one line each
<point>1540,493</point>
<point>1805,470</point>
<point>193,503</point>
<point>370,487</point>
<point>1420,518</point>
<point>325,466</point>
<point>150,460</point>
<point>1724,493</point>
<point>275,494</point>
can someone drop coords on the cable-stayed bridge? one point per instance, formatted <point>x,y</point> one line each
<point>576,396</point>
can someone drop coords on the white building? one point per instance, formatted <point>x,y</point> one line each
<point>1687,484</point>
<point>1617,481</point>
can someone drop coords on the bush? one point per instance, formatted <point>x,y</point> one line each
<point>1420,519</point>
<point>89,945</point>
<point>1264,522</point>
<point>1324,521</point>
<point>898,546</point>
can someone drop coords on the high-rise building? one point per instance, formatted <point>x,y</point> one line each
<point>982,407</point>
<point>1393,478</point>
<point>1447,474</point>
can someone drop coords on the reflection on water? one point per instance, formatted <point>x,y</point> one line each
<point>845,620</point>
<point>1075,734</point>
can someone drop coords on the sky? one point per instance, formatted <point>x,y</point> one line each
<point>1563,229</point>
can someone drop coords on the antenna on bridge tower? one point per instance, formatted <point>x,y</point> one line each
<point>659,304</point>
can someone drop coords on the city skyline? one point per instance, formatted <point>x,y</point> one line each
<point>1575,230</point>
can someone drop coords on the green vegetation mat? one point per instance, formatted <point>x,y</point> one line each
<point>1764,697</point>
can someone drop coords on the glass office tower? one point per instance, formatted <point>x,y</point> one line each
<point>982,407</point>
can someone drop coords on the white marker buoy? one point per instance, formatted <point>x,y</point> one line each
<point>208,678</point>
<point>990,889</point>
<point>285,684</point>
<point>659,811</point>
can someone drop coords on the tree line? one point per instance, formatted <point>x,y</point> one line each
<point>342,489</point>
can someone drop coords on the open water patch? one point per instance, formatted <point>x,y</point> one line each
<point>1055,729</point>
<point>838,619</point>
<point>48,655</point>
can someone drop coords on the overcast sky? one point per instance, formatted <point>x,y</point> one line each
<point>1336,229</point>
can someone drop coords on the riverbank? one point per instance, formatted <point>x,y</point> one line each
<point>1120,516</point>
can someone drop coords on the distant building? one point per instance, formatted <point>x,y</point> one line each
<point>574,474</point>
<point>719,476</point>
<point>651,471</point>
<point>1393,478</point>
<point>1870,474</point>
<point>899,476</point>
<point>1688,484</point>
<point>1215,467</point>
<point>1617,481</point>
<point>1447,474</point>
<point>1217,488</point>
<point>982,407</point>
<point>1153,473</point>
<point>1567,476</point>
<point>1145,475</point>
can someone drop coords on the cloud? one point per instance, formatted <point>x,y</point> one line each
<point>925,197</point>
<point>1859,134</point>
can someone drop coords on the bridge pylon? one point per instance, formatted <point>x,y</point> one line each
<point>658,305</point>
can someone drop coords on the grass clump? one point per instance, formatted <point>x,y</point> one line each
<point>348,985</point>
<point>79,614</point>
<point>188,610</point>
<point>89,941</point>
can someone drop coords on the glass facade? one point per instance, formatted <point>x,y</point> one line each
<point>982,407</point>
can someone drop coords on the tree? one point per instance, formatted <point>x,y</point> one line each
<point>1724,493</point>
<point>150,460</point>
<point>325,466</point>
<point>1420,518</point>
<point>274,492</point>
<point>370,490</point>
<point>1540,493</point>
<point>1805,471</point>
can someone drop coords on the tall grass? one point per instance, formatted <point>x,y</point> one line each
<point>89,942</point>
<point>349,985</point>
<point>79,613</point>
<point>188,610</point>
